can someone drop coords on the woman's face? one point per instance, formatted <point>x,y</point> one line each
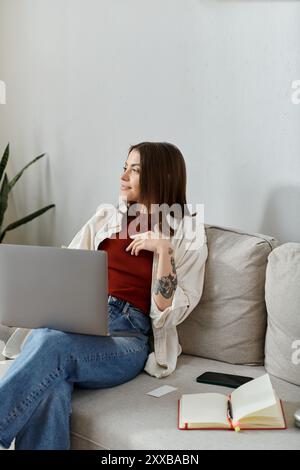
<point>130,179</point>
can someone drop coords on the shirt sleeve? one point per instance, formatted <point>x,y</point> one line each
<point>190,280</point>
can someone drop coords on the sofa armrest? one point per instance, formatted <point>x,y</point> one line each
<point>6,332</point>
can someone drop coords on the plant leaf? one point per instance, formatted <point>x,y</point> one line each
<point>3,198</point>
<point>24,220</point>
<point>4,161</point>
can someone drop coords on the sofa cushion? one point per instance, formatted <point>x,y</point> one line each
<point>282,351</point>
<point>124,417</point>
<point>229,323</point>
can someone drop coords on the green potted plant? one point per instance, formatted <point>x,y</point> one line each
<point>5,187</point>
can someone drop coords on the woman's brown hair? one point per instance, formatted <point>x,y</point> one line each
<point>162,176</point>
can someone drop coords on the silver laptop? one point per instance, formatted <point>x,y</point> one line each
<point>63,289</point>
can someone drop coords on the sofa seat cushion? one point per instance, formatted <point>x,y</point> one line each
<point>124,417</point>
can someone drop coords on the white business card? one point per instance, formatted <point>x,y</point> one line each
<point>159,392</point>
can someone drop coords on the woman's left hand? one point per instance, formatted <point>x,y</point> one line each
<point>148,241</point>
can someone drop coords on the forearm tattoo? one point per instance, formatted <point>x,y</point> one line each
<point>166,285</point>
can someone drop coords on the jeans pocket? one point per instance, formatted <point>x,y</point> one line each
<point>139,321</point>
<point>113,312</point>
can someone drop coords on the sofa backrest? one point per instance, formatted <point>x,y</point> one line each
<point>229,323</point>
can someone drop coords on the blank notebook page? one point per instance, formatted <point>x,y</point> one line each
<point>204,408</point>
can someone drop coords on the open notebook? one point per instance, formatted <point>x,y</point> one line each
<point>254,405</point>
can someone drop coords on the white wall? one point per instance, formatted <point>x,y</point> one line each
<point>87,78</point>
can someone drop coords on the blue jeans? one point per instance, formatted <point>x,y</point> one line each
<point>36,392</point>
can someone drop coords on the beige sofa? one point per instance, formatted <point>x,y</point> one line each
<point>247,323</point>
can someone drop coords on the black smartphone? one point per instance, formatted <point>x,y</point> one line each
<point>226,380</point>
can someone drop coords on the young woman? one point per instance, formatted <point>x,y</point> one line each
<point>155,278</point>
